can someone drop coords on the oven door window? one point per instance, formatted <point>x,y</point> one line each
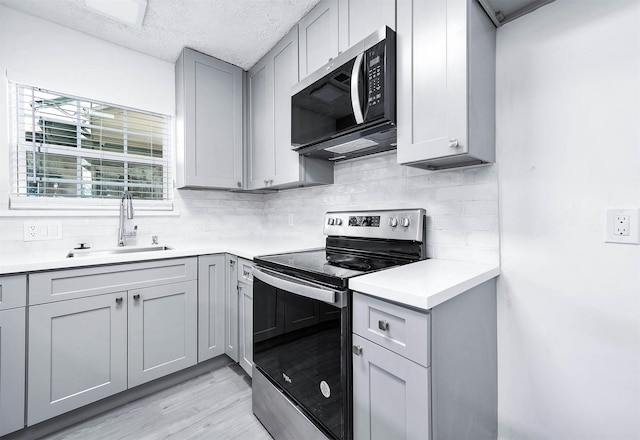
<point>298,345</point>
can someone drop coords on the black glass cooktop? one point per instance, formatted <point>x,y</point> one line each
<point>325,267</point>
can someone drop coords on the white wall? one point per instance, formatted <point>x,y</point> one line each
<point>461,204</point>
<point>37,52</point>
<point>568,118</point>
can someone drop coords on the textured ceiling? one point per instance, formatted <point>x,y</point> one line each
<point>237,31</point>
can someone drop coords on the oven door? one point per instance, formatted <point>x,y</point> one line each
<point>301,337</point>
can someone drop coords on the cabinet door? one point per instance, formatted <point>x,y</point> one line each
<point>162,330</point>
<point>77,353</point>
<point>12,369</point>
<point>245,292</point>
<point>360,18</point>
<point>318,36</point>
<point>211,311</point>
<point>231,308</point>
<point>261,130</point>
<point>285,76</point>
<point>209,122</point>
<point>390,395</point>
<point>432,79</point>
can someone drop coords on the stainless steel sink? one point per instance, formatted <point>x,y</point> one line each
<point>76,253</point>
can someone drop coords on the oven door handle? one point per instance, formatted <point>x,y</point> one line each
<point>293,285</point>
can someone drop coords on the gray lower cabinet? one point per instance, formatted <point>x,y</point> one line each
<point>231,307</point>
<point>97,331</point>
<point>390,393</point>
<point>445,83</point>
<point>212,292</point>
<point>77,353</point>
<point>163,334</point>
<point>13,297</point>
<point>245,315</point>
<point>426,374</point>
<point>209,99</point>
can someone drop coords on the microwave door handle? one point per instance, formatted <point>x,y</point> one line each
<point>355,96</point>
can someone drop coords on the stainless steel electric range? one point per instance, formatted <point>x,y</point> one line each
<point>302,320</point>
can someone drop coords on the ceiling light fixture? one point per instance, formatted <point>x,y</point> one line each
<point>129,12</point>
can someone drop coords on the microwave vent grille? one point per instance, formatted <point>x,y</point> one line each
<point>355,145</point>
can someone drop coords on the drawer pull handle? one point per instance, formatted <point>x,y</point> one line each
<point>119,300</point>
<point>383,325</point>
<point>136,297</point>
<point>357,350</point>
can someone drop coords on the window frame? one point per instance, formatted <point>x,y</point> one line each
<point>20,147</point>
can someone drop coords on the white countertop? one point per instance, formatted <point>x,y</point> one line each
<point>245,248</point>
<point>424,284</point>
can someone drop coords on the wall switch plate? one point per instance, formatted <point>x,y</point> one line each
<point>622,225</point>
<point>42,230</point>
<point>290,219</point>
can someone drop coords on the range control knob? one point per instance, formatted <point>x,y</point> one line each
<point>338,221</point>
<point>393,222</point>
<point>331,221</point>
<point>405,222</point>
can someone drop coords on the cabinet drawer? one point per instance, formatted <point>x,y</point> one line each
<point>401,330</point>
<point>60,285</point>
<point>13,291</point>
<point>244,271</point>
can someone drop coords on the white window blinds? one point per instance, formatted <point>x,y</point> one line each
<point>72,152</point>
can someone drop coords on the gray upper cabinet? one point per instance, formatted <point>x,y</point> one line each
<point>360,18</point>
<point>318,33</point>
<point>271,162</point>
<point>208,122</point>
<point>446,83</point>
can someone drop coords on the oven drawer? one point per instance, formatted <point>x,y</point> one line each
<point>402,330</point>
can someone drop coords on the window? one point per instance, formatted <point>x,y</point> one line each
<point>72,152</point>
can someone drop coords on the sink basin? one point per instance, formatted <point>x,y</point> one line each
<point>75,253</point>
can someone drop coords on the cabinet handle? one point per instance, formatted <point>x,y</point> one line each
<point>383,325</point>
<point>119,300</point>
<point>246,274</point>
<point>357,350</point>
<point>232,262</point>
<point>136,297</point>
<point>453,143</point>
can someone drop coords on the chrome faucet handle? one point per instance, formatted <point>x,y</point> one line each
<point>154,239</point>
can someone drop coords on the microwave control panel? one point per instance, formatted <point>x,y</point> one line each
<point>374,71</point>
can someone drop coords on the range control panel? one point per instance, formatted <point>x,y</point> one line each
<point>404,224</point>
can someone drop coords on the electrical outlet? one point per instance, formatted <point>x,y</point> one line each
<point>622,225</point>
<point>40,231</point>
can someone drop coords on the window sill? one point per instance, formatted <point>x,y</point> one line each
<point>26,207</point>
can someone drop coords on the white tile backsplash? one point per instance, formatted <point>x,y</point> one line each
<point>461,205</point>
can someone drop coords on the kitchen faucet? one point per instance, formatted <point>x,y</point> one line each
<point>126,204</point>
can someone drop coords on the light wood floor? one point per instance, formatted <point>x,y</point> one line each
<point>216,405</point>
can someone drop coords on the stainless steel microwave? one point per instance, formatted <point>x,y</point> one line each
<point>347,108</point>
